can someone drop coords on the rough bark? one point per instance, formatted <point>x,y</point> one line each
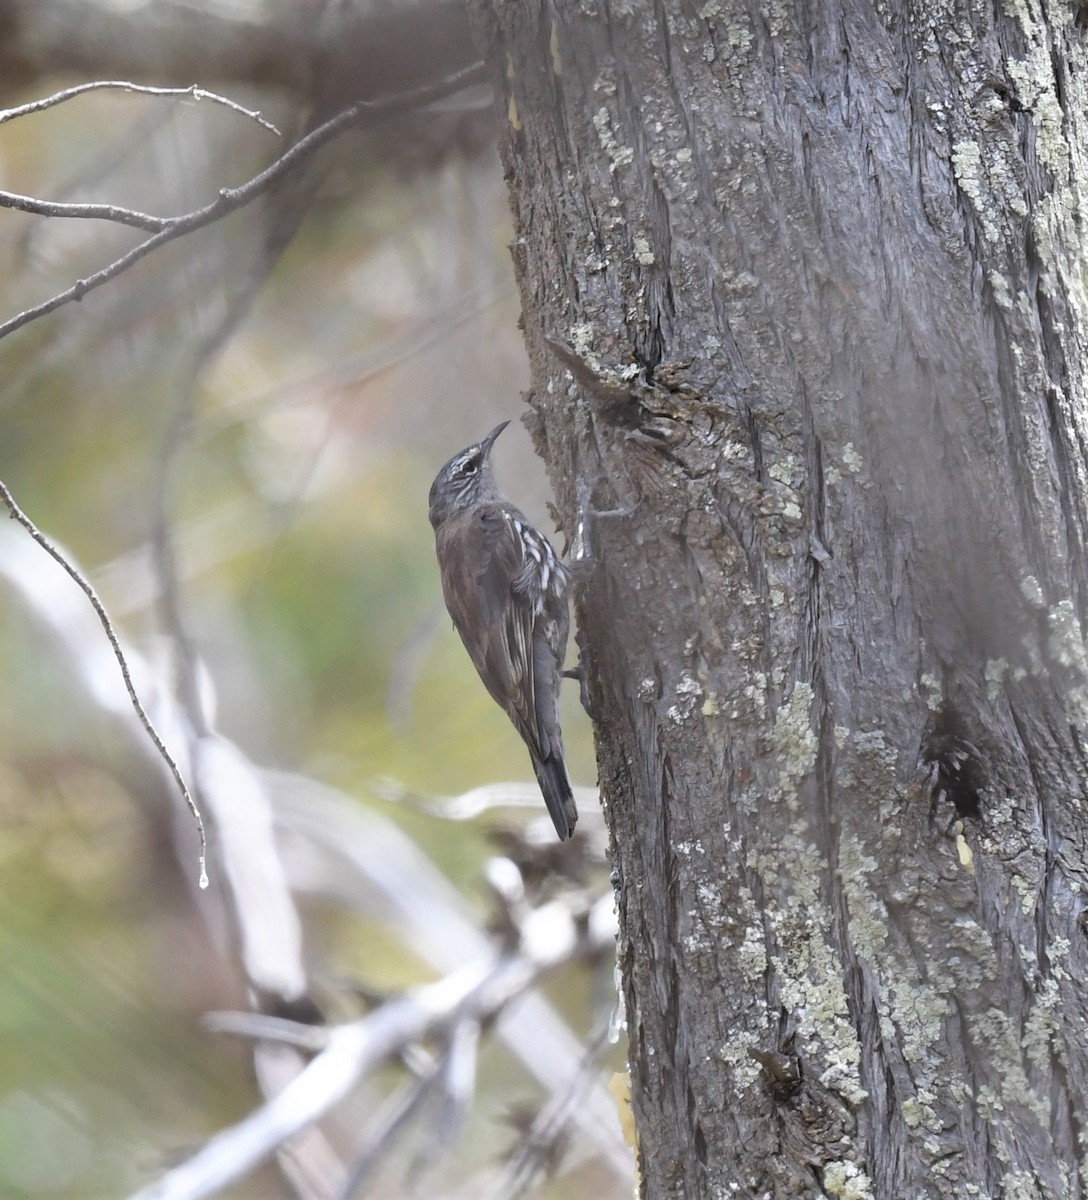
<point>804,284</point>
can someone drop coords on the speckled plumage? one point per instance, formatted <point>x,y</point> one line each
<point>506,590</point>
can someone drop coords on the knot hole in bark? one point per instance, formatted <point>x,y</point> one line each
<point>953,764</point>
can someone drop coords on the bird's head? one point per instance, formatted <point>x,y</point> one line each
<point>465,481</point>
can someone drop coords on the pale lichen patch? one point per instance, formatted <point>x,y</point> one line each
<point>1033,78</point>
<point>847,1181</point>
<point>851,459</point>
<point>918,1111</point>
<point>1064,648</point>
<point>793,738</point>
<point>735,1054</point>
<point>618,155</point>
<point>751,958</point>
<point>1042,1025</point>
<point>752,955</point>
<point>1058,953</point>
<point>917,1012</point>
<point>809,971</point>
<point>1032,592</point>
<point>1020,1185</point>
<point>782,470</point>
<point>971,177</point>
<point>809,976</point>
<point>1001,289</point>
<point>791,511</point>
<point>643,252</point>
<point>582,338</point>
<point>995,1033</point>
<point>688,693</point>
<point>734,32</point>
<point>994,673</point>
<point>1066,644</point>
<point>873,745</point>
<point>932,690</point>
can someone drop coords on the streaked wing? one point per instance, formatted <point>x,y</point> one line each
<point>495,619</point>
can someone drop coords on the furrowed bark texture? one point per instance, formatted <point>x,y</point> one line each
<point>803,283</point>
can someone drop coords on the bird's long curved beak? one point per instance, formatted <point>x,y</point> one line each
<point>487,442</point>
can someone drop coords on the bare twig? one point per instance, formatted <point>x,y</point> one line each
<point>455,1088</point>
<point>17,514</point>
<point>119,85</point>
<point>82,286</point>
<point>537,1149</point>
<point>471,804</point>
<point>265,1028</point>
<point>231,199</point>
<point>391,1121</point>
<point>90,212</point>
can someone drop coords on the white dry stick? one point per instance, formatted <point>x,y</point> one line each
<point>121,85</point>
<point>340,853</point>
<point>551,936</point>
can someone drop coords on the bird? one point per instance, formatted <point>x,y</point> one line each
<point>506,590</point>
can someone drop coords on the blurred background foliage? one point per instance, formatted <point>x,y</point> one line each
<point>384,339</point>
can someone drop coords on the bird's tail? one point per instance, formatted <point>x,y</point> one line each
<point>551,774</point>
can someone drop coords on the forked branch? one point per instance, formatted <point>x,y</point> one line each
<point>229,200</point>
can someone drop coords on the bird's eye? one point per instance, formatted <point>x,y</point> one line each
<point>471,467</point>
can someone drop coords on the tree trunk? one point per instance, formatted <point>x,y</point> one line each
<point>807,307</point>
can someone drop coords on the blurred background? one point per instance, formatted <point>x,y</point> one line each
<point>235,439</point>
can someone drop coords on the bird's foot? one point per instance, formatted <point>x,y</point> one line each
<point>582,560</point>
<point>581,675</point>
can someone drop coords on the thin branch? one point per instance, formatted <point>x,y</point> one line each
<point>17,514</point>
<point>82,286</point>
<point>90,212</point>
<point>455,1088</point>
<point>194,92</point>
<point>231,199</point>
<point>536,1153</point>
<point>265,1028</point>
<point>381,1137</point>
<point>473,803</point>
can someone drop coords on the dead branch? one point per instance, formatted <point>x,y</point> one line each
<point>551,936</point>
<point>98,85</point>
<point>90,212</point>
